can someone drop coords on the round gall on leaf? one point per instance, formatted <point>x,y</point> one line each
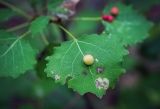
<point>114,11</point>
<point>108,18</point>
<point>88,59</point>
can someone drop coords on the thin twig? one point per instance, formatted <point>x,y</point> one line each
<point>18,27</point>
<point>88,18</point>
<point>14,8</point>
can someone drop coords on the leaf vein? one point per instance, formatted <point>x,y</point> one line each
<point>93,45</point>
<point>66,53</point>
<point>74,61</point>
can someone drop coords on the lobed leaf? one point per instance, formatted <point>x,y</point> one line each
<point>66,64</point>
<point>129,26</point>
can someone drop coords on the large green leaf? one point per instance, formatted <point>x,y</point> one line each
<point>66,64</point>
<point>39,24</point>
<point>16,55</point>
<point>129,26</point>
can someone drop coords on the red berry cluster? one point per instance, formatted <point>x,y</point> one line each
<point>113,13</point>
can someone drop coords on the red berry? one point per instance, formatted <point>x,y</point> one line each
<point>108,18</point>
<point>114,11</point>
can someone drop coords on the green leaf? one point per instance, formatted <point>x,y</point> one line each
<point>16,55</point>
<point>39,24</point>
<point>66,64</point>
<point>129,26</point>
<point>6,14</point>
<point>55,33</point>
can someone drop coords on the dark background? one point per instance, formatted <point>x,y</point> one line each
<point>139,88</point>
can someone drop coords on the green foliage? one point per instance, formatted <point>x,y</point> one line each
<point>16,55</point>
<point>55,32</point>
<point>129,26</point>
<point>67,62</point>
<point>39,24</point>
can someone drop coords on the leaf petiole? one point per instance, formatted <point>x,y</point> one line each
<point>69,33</point>
<point>88,18</point>
<point>73,37</point>
<point>18,27</point>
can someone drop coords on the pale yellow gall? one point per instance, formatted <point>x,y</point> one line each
<point>88,59</point>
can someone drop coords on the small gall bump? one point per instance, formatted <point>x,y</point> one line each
<point>96,60</point>
<point>88,59</point>
<point>108,18</point>
<point>114,11</point>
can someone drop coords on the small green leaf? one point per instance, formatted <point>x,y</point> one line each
<point>6,14</point>
<point>67,63</point>
<point>16,55</point>
<point>39,24</point>
<point>129,26</point>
